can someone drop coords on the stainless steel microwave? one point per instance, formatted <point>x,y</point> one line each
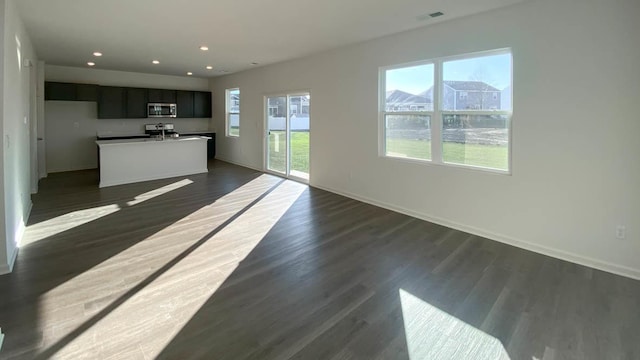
<point>157,110</point>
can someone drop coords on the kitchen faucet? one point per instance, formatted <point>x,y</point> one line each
<point>161,127</point>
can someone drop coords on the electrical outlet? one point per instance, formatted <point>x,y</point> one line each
<point>621,232</point>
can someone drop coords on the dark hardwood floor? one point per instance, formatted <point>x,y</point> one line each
<point>236,264</point>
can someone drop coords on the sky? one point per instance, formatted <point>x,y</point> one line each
<point>495,70</point>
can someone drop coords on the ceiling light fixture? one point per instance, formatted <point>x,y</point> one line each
<point>91,63</point>
<point>189,73</point>
<point>97,53</point>
<point>156,62</point>
<point>204,48</point>
<point>209,67</point>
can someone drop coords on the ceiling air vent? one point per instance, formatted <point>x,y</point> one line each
<point>436,14</point>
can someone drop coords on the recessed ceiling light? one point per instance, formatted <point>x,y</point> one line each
<point>189,73</point>
<point>97,53</point>
<point>204,48</point>
<point>209,67</point>
<point>91,63</point>
<point>156,62</point>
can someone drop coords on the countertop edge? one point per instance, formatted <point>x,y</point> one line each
<point>150,141</point>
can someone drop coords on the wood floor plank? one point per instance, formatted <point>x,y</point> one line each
<point>237,264</point>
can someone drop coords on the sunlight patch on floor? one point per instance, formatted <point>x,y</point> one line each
<point>62,223</point>
<point>159,191</point>
<point>150,314</point>
<point>434,334</point>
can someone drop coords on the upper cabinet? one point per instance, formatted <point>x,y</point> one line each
<point>70,92</point>
<point>137,100</point>
<point>111,102</point>
<point>184,103</point>
<point>201,104</point>
<point>116,102</point>
<point>162,96</point>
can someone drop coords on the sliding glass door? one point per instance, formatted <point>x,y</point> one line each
<point>287,145</point>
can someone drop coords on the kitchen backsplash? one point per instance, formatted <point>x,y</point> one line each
<point>136,126</point>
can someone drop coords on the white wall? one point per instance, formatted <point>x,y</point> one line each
<point>71,126</point>
<point>17,132</point>
<point>575,126</point>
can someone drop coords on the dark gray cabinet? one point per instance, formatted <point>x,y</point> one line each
<point>111,102</point>
<point>201,104</point>
<point>162,96</point>
<point>137,100</point>
<point>115,102</point>
<point>87,92</point>
<point>184,103</point>
<point>70,92</point>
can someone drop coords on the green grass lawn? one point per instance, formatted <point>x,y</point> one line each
<point>299,151</point>
<point>491,156</point>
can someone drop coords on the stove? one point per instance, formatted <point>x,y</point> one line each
<point>156,130</point>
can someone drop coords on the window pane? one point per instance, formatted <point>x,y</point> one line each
<point>409,89</point>
<point>408,136</point>
<point>234,125</point>
<point>477,140</point>
<point>234,101</point>
<point>479,83</point>
<point>299,135</point>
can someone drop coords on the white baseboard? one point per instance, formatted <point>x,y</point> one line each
<point>556,253</point>
<point>239,164</point>
<point>7,268</point>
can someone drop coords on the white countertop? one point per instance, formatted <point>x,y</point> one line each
<point>167,140</point>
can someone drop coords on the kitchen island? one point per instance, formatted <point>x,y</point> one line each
<point>133,160</point>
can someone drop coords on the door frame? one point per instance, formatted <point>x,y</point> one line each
<point>265,135</point>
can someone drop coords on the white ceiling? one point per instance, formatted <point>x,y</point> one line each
<point>132,33</point>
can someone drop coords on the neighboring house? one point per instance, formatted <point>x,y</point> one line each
<point>470,95</point>
<point>277,106</point>
<point>234,105</point>
<point>505,98</point>
<point>398,100</point>
<point>298,105</point>
<point>457,95</point>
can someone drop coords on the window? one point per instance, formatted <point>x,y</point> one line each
<point>233,112</point>
<point>407,111</point>
<point>449,111</point>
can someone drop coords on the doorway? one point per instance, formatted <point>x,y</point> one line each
<point>288,132</point>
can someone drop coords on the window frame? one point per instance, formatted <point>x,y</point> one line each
<point>382,110</point>
<point>438,113</point>
<point>229,112</point>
